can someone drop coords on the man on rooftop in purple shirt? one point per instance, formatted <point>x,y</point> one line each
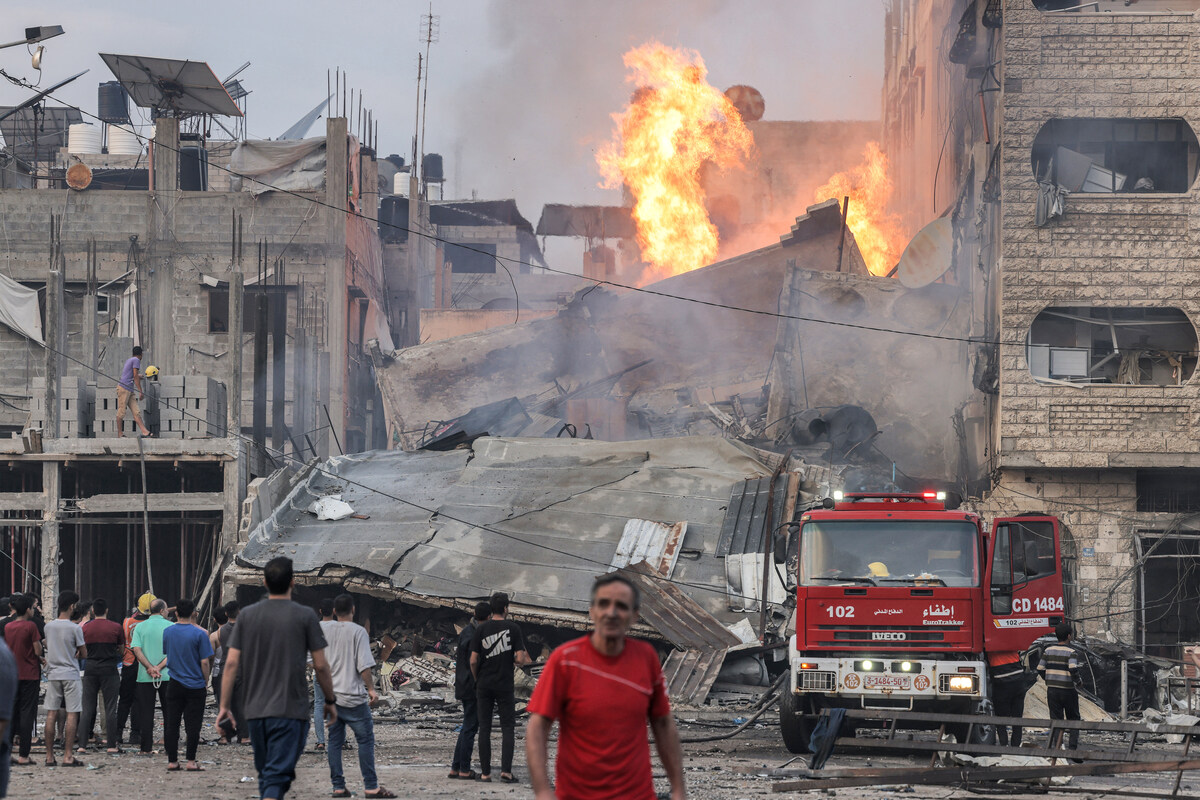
<point>130,379</point>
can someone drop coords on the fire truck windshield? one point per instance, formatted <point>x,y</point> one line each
<point>889,552</point>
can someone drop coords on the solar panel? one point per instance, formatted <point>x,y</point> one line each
<point>168,84</point>
<point>49,130</point>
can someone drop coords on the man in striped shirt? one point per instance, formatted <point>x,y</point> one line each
<point>1059,668</point>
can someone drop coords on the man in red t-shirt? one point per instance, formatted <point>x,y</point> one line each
<point>22,637</point>
<point>602,689</point>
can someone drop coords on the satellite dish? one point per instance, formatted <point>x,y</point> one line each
<point>928,255</point>
<point>748,101</point>
<point>37,98</point>
<point>79,177</point>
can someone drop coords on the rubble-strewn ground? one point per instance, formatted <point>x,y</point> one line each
<point>412,759</point>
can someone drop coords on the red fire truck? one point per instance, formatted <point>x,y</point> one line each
<point>900,601</point>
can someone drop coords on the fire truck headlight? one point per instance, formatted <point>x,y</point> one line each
<point>961,683</point>
<point>839,495</point>
<point>906,667</point>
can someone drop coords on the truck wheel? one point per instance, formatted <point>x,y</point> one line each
<point>795,722</point>
<point>980,734</point>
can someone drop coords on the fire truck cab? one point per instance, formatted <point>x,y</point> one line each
<point>900,601</point>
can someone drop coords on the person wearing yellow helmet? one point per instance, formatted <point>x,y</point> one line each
<point>152,372</point>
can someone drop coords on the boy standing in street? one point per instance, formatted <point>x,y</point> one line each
<point>64,689</point>
<point>464,690</point>
<point>105,642</point>
<point>496,649</point>
<point>189,655</point>
<point>1059,669</point>
<point>350,659</point>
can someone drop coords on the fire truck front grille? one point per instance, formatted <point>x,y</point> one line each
<point>816,681</point>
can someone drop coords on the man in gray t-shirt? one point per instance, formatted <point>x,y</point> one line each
<point>351,660</point>
<point>269,650</point>
<point>64,687</point>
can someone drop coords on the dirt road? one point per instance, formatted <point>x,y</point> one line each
<point>412,758</point>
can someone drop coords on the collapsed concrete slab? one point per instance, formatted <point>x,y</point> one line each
<point>538,518</point>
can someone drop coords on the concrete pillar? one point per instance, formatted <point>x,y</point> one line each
<point>52,488</point>
<point>233,386</point>
<point>231,509</point>
<point>336,185</point>
<point>160,341</point>
<point>55,334</point>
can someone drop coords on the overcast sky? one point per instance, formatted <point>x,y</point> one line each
<point>520,92</point>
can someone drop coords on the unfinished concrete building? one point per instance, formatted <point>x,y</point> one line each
<point>189,272</point>
<point>1072,128</point>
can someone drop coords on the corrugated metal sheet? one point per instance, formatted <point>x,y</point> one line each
<point>656,543</point>
<point>690,674</point>
<point>745,521</point>
<point>679,618</point>
<point>555,510</point>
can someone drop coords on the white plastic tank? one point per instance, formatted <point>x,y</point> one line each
<point>83,138</point>
<point>122,141</point>
<point>400,183</point>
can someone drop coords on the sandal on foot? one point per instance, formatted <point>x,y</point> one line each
<point>320,748</point>
<point>196,768</point>
<point>174,768</point>
<point>380,792</point>
<point>484,779</point>
<point>508,778</point>
<point>74,762</point>
<point>342,793</point>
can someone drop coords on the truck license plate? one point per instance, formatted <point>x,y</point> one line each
<point>887,682</point>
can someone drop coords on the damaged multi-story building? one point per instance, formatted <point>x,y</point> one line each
<point>251,274</point>
<point>1067,132</point>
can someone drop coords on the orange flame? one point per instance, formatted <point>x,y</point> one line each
<point>675,123</point>
<point>878,232</point>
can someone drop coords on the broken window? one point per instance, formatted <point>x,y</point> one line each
<point>1168,491</point>
<point>1117,6</point>
<point>1116,155</point>
<point>1169,578</point>
<point>218,308</point>
<point>473,257</point>
<point>1097,345</point>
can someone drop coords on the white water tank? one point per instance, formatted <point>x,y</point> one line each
<point>83,138</point>
<point>400,183</point>
<point>123,141</point>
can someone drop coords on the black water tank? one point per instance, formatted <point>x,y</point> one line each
<point>113,102</point>
<point>396,160</point>
<point>431,168</point>
<point>193,169</point>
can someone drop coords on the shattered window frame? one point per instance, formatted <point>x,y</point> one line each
<point>1115,155</point>
<point>1168,569</point>
<point>1097,346</point>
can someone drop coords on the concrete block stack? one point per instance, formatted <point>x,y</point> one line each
<point>77,400</point>
<point>191,407</point>
<point>104,424</point>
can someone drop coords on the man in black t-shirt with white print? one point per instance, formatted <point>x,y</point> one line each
<point>496,649</point>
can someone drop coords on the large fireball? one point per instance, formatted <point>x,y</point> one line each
<point>674,124</point>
